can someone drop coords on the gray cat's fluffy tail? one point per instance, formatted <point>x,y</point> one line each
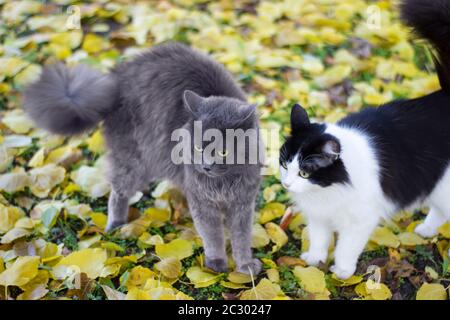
<point>69,101</point>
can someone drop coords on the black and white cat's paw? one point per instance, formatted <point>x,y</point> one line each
<point>312,258</point>
<point>343,273</point>
<point>218,265</point>
<point>425,231</point>
<point>252,268</point>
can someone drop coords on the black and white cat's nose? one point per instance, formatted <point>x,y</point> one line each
<point>285,184</point>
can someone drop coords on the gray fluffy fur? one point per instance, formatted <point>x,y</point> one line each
<point>141,102</point>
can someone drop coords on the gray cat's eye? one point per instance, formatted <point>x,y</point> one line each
<point>303,174</point>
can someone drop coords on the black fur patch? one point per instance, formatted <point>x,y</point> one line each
<point>412,143</point>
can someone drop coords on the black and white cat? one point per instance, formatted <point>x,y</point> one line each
<point>347,177</point>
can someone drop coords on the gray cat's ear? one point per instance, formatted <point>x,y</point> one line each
<point>192,101</point>
<point>248,112</point>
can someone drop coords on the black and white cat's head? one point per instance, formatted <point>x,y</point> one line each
<point>221,114</point>
<point>310,157</point>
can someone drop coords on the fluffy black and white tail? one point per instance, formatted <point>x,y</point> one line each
<point>430,19</point>
<point>69,101</point>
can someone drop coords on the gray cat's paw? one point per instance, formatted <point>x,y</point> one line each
<point>218,265</point>
<point>113,225</point>
<point>253,267</point>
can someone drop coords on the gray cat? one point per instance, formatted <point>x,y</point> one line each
<point>141,103</point>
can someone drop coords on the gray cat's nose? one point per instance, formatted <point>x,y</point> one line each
<point>207,168</point>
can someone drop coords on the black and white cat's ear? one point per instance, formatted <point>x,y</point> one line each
<point>192,101</point>
<point>299,118</point>
<point>331,149</point>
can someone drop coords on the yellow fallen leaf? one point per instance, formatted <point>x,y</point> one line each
<point>378,291</point>
<point>71,39</point>
<point>87,242</point>
<point>431,272</point>
<point>276,234</point>
<point>311,279</point>
<point>271,211</point>
<point>41,278</point>
<point>269,263</point>
<point>35,293</point>
<point>138,276</point>
<point>260,238</point>
<point>150,240</point>
<point>8,217</point>
<point>170,267</point>
<point>411,239</point>
<point>96,142</point>
<point>444,230</point>
<point>14,181</point>
<point>157,216</point>
<point>273,275</point>
<point>238,277</point>
<point>48,251</point>
<point>90,261</point>
<point>333,76</point>
<point>431,291</point>
<point>93,43</point>
<point>178,248</point>
<point>385,237</point>
<point>265,290</point>
<point>59,51</point>
<point>38,159</point>
<point>25,223</point>
<point>91,180</point>
<point>44,179</point>
<point>200,278</point>
<point>135,228</point>
<point>64,156</point>
<point>161,294</point>
<point>15,234</point>
<point>371,290</point>
<point>347,282</point>
<point>28,75</point>
<point>112,246</point>
<point>99,219</point>
<point>11,66</point>
<point>21,272</point>
<point>137,294</point>
<point>112,294</point>
<point>232,285</point>
<point>17,121</point>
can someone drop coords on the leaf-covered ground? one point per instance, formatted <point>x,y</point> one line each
<point>332,56</point>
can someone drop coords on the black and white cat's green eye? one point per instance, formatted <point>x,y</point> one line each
<point>223,153</point>
<point>283,164</point>
<point>303,174</point>
<point>198,149</point>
